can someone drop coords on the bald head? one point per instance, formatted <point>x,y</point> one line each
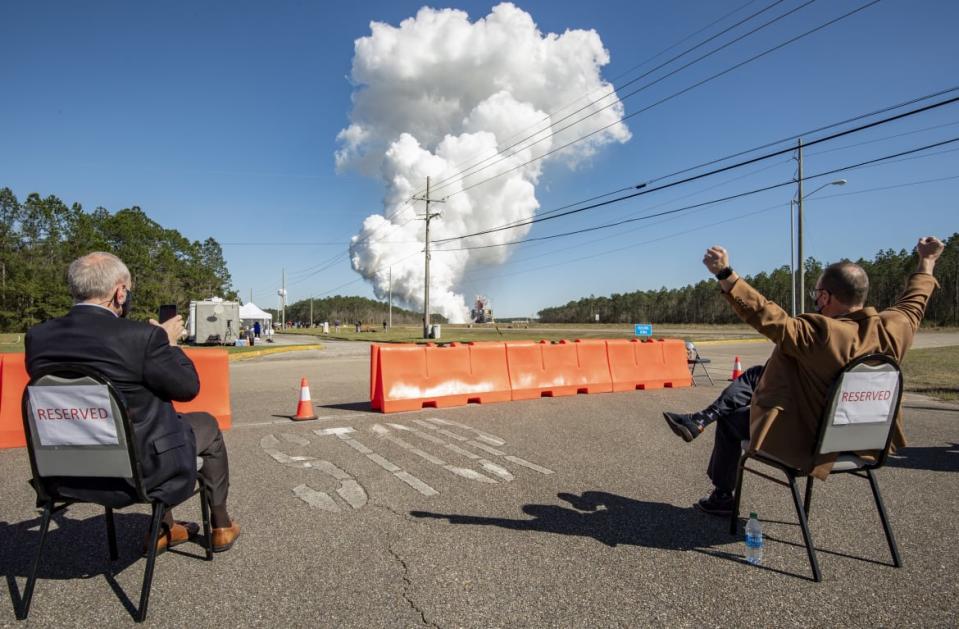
<point>96,275</point>
<point>847,282</point>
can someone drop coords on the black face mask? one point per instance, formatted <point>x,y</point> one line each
<point>125,306</point>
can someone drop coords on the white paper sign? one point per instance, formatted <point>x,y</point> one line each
<point>866,397</point>
<point>73,416</point>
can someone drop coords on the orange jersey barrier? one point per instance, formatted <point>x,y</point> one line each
<point>409,377</point>
<point>13,380</point>
<point>212,366</point>
<point>547,369</point>
<point>636,364</point>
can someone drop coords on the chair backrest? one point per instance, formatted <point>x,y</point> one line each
<point>77,427</point>
<point>862,407</point>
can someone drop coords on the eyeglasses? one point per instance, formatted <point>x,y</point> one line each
<point>814,293</point>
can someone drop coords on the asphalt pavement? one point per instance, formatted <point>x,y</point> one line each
<point>557,512</point>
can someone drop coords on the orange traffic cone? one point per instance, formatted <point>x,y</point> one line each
<point>737,370</point>
<point>304,410</point>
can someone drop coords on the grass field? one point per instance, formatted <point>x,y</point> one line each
<point>933,372</point>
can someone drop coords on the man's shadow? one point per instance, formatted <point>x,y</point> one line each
<point>933,458</point>
<point>613,520</point>
<point>73,549</point>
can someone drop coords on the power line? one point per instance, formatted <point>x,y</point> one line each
<point>646,190</point>
<point>700,228</point>
<point>618,76</point>
<point>668,98</point>
<point>465,172</point>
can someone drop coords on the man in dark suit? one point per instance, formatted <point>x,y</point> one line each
<point>149,371</point>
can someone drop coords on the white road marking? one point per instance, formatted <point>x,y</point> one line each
<point>316,499</point>
<point>353,493</point>
<point>458,471</point>
<point>486,448</point>
<point>387,465</point>
<point>297,439</point>
<point>341,430</point>
<point>356,445</point>
<point>416,483</point>
<point>328,468</point>
<point>483,436</point>
<point>269,441</point>
<point>532,466</point>
<point>499,470</point>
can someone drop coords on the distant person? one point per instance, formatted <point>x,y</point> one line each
<point>778,406</point>
<point>150,372</point>
<point>386,325</point>
<point>269,332</point>
<point>336,326</point>
<point>256,329</point>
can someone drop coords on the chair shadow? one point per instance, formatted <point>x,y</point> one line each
<point>932,458</point>
<point>75,549</point>
<point>612,520</point>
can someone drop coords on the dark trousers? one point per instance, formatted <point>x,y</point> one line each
<point>210,448</point>
<point>731,410</point>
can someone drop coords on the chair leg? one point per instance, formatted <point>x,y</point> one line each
<point>158,510</point>
<point>807,538</point>
<point>111,534</point>
<point>896,559</point>
<point>32,577</point>
<point>737,495</point>
<point>808,499</point>
<point>207,530</point>
<point>708,377</point>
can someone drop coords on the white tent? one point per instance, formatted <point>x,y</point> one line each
<point>251,312</point>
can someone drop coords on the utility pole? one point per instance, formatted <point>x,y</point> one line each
<point>800,261</point>
<point>389,325</point>
<point>311,311</point>
<point>792,258</point>
<point>251,296</point>
<point>426,292</point>
<point>3,272</point>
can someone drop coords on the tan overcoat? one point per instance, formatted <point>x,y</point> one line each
<point>810,351</point>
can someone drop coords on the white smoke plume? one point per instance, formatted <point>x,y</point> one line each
<point>439,93</point>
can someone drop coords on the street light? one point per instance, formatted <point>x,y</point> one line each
<point>802,264</point>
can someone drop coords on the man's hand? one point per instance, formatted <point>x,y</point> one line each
<point>716,259</point>
<point>929,250</point>
<point>173,327</point>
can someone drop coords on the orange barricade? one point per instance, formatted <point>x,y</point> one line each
<point>546,369</point>
<point>13,380</point>
<point>636,364</point>
<point>409,377</point>
<point>213,368</point>
<point>211,365</point>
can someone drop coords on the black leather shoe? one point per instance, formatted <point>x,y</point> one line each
<point>717,503</point>
<point>686,426</point>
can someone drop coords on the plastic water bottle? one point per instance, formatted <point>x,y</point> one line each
<point>754,540</point>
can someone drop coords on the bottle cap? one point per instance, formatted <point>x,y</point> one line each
<point>753,515</point>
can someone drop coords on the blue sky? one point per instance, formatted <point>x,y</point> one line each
<point>220,119</point>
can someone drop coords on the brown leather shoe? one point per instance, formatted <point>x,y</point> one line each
<point>223,538</point>
<point>180,532</point>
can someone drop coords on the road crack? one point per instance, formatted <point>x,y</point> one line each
<point>407,586</point>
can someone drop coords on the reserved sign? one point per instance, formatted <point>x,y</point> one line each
<point>73,416</point>
<point>866,398</point>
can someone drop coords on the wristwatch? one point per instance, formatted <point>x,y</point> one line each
<point>724,273</point>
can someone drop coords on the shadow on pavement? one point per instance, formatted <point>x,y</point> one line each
<point>349,406</point>
<point>74,549</point>
<point>935,459</point>
<point>612,520</point>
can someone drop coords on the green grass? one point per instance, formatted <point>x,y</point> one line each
<point>933,372</point>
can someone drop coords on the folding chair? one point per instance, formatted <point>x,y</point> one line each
<point>695,360</point>
<point>859,417</point>
<point>78,431</point>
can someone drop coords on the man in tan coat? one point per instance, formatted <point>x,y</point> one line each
<point>778,406</point>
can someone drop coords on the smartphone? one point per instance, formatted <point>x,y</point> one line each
<point>167,311</point>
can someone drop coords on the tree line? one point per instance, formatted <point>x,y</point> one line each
<point>40,236</point>
<point>348,310</point>
<point>702,303</point>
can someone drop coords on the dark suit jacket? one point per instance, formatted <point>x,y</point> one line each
<point>148,372</point>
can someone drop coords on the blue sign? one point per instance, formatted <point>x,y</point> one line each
<point>644,329</point>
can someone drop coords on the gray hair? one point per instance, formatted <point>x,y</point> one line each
<point>95,275</point>
<point>846,281</point>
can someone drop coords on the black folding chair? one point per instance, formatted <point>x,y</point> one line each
<point>844,433</point>
<point>97,447</point>
<point>697,360</point>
